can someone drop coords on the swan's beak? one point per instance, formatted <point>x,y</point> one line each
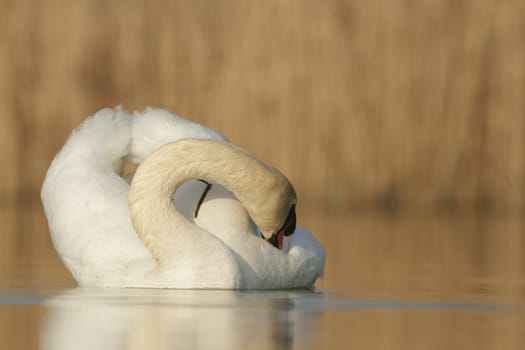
<point>287,229</point>
<point>277,240</point>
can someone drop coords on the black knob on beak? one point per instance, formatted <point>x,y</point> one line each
<point>290,222</point>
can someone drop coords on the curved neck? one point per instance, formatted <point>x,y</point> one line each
<point>258,187</point>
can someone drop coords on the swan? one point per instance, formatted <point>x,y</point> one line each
<point>235,229</point>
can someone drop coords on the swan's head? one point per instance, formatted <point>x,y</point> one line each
<point>274,213</point>
<point>287,229</point>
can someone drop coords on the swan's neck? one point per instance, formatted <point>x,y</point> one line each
<point>259,188</point>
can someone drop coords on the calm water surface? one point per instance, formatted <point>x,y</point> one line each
<point>390,283</point>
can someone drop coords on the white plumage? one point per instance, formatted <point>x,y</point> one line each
<point>102,244</point>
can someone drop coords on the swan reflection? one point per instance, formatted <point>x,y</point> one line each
<point>83,318</point>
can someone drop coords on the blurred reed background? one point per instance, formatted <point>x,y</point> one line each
<point>401,106</point>
<point>389,106</point>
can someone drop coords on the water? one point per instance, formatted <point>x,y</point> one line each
<point>453,282</point>
<point>167,319</point>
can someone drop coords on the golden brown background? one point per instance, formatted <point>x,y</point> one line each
<point>415,109</point>
<point>376,102</point>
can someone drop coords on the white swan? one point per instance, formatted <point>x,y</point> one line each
<point>150,243</point>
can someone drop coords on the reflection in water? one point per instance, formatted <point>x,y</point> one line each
<point>146,319</point>
<point>163,319</point>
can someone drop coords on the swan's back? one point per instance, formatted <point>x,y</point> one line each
<point>155,127</point>
<point>85,199</point>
